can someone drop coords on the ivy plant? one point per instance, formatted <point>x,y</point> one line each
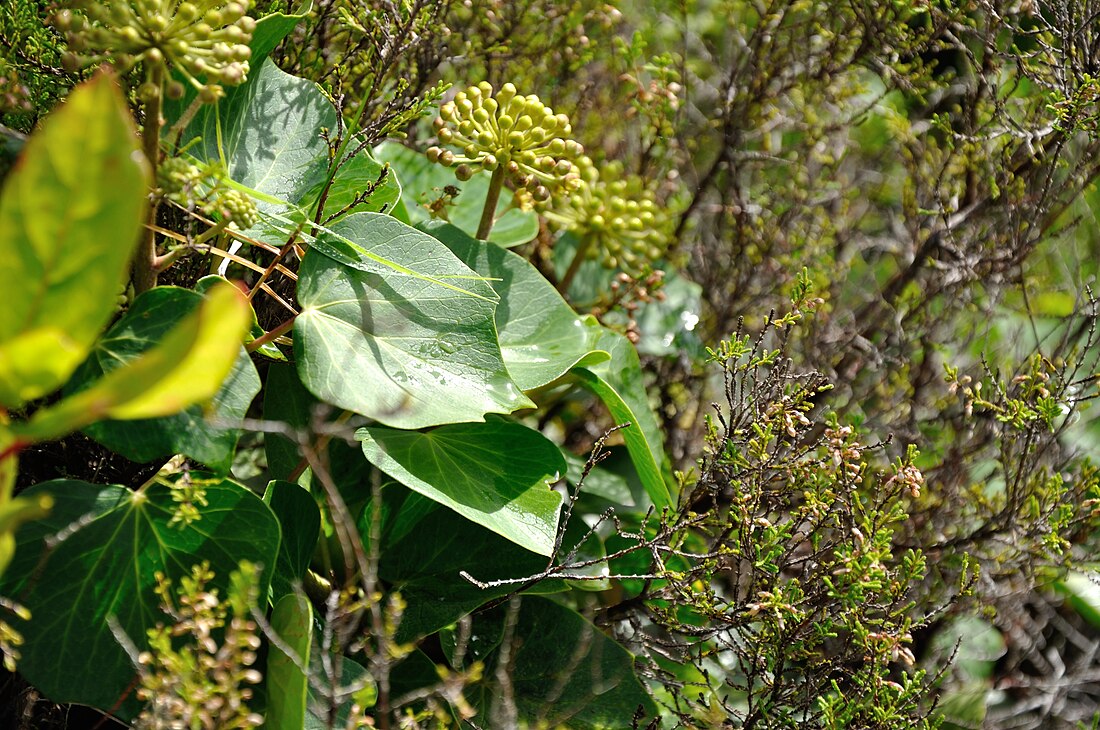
<point>406,359</point>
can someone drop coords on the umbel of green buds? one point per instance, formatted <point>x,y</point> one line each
<point>615,216</point>
<point>206,41</point>
<point>518,134</point>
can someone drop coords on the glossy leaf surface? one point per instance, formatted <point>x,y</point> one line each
<point>403,350</point>
<point>619,384</point>
<point>267,132</point>
<point>187,366</point>
<point>205,432</point>
<point>92,561</point>
<point>497,474</point>
<point>70,212</point>
<point>541,337</point>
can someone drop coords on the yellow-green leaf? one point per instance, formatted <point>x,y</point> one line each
<point>70,212</point>
<point>186,367</point>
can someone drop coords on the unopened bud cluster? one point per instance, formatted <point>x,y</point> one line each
<point>190,185</point>
<point>190,679</point>
<point>202,39</point>
<point>617,215</point>
<point>518,134</point>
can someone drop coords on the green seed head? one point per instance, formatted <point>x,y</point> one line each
<point>618,212</point>
<point>505,129</point>
<point>205,42</point>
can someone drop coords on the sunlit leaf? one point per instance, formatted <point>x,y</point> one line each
<point>497,474</point>
<point>70,213</point>
<point>187,366</point>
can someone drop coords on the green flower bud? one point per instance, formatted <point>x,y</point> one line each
<point>464,172</point>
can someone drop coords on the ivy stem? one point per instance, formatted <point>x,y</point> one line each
<point>144,266</point>
<point>271,336</point>
<point>490,209</point>
<point>575,264</point>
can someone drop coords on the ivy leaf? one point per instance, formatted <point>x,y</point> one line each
<point>287,681</point>
<point>79,176</point>
<point>187,366</point>
<point>300,520</point>
<point>423,182</point>
<point>427,572</point>
<point>497,474</point>
<point>268,133</point>
<point>96,556</point>
<point>541,337</point>
<point>565,672</point>
<point>619,384</point>
<point>407,350</point>
<point>204,433</point>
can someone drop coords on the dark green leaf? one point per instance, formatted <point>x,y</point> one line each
<point>95,558</point>
<point>300,520</point>
<point>188,365</point>
<point>424,565</point>
<point>205,433</point>
<point>564,671</point>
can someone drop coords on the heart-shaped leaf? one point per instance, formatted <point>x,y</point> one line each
<point>402,349</point>
<point>597,690</point>
<point>428,572</point>
<point>79,177</point>
<point>497,474</point>
<point>540,335</point>
<point>93,560</point>
<point>268,134</point>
